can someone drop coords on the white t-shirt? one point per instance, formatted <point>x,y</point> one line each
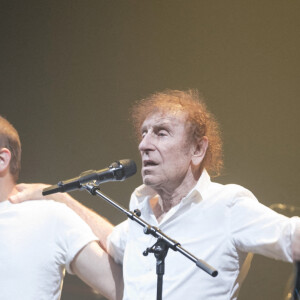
<point>38,240</point>
<point>219,224</point>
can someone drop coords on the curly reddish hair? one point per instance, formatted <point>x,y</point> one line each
<point>200,122</point>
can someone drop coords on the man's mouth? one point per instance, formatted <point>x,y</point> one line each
<point>149,163</point>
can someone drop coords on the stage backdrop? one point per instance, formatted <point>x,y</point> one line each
<point>70,70</point>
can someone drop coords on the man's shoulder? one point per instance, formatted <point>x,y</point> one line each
<point>231,188</point>
<point>42,203</point>
<point>228,193</point>
<point>47,207</point>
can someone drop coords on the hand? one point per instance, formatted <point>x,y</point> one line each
<point>32,191</point>
<point>296,244</point>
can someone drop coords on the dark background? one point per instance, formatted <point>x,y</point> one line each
<point>70,70</point>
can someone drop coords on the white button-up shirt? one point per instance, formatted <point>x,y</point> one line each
<point>220,224</point>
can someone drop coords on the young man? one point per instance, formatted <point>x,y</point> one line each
<point>40,239</point>
<point>180,146</point>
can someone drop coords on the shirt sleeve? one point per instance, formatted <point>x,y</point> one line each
<point>73,234</point>
<point>258,229</point>
<point>116,242</point>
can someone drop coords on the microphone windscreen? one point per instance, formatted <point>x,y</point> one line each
<point>129,167</point>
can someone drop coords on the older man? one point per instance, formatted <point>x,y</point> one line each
<point>39,239</point>
<point>180,146</point>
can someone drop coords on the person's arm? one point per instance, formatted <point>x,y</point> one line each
<point>97,269</point>
<point>99,225</point>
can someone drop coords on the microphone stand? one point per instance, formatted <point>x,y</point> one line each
<point>296,291</point>
<point>160,250</point>
<point>161,247</point>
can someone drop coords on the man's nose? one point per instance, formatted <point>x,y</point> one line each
<point>146,143</point>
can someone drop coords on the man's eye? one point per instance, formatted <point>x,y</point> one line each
<point>162,133</point>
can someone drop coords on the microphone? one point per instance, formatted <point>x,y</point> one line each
<point>117,171</point>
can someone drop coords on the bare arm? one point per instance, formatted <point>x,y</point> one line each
<point>99,225</point>
<point>96,268</point>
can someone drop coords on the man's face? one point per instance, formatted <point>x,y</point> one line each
<point>166,155</point>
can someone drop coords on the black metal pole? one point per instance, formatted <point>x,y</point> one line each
<point>296,291</point>
<point>161,247</point>
<point>160,250</point>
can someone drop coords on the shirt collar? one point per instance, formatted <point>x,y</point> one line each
<point>196,194</point>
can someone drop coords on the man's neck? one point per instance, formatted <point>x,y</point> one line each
<point>166,200</point>
<point>7,188</point>
<point>171,195</point>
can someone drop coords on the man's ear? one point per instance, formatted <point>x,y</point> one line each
<point>5,156</point>
<point>200,150</point>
